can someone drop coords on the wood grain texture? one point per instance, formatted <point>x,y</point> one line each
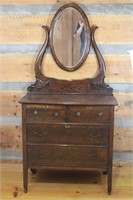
<point>11,135</point>
<point>109,49</point>
<point>125,106</point>
<point>49,9</point>
<point>115,29</point>
<point>21,67</point>
<point>123,139</point>
<point>11,138</point>
<point>9,105</point>
<point>62,1</point>
<point>57,185</point>
<point>27,29</point>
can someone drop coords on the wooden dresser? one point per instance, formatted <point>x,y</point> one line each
<point>68,124</point>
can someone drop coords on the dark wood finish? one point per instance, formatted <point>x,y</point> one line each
<point>25,159</point>
<point>47,85</point>
<point>65,155</point>
<point>51,35</point>
<point>74,134</point>
<point>68,124</point>
<point>88,100</point>
<point>67,133</point>
<point>110,151</point>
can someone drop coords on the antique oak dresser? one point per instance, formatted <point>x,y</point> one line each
<point>68,124</point>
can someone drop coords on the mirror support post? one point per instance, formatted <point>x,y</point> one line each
<point>41,80</point>
<point>98,81</point>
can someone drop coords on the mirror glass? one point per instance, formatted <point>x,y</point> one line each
<point>69,38</point>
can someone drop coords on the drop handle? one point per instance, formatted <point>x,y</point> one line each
<point>100,114</point>
<point>41,155</point>
<point>94,135</point>
<point>93,156</point>
<point>35,112</point>
<point>40,133</point>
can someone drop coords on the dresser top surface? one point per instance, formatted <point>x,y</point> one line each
<point>69,99</point>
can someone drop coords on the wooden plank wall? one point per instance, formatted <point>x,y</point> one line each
<point>22,36</point>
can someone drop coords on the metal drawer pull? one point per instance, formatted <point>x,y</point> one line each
<point>56,114</point>
<point>78,113</point>
<point>94,135</point>
<point>45,106</point>
<point>89,107</point>
<point>41,155</point>
<point>100,114</point>
<point>67,126</point>
<point>40,134</point>
<point>93,156</point>
<point>35,112</point>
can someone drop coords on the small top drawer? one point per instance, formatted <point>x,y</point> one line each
<point>46,113</point>
<point>89,114</point>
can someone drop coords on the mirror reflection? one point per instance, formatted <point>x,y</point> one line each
<point>69,37</point>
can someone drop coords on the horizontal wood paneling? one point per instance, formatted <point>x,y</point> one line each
<point>11,138</point>
<point>123,139</point>
<point>21,67</point>
<point>27,29</point>
<point>22,36</point>
<point>125,105</point>
<point>50,9</point>
<point>118,157</point>
<point>62,1</point>
<point>109,49</point>
<point>9,105</point>
<point>15,86</point>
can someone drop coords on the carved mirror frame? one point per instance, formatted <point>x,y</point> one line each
<point>48,85</point>
<point>88,39</point>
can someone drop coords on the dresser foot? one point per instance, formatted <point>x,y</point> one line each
<point>105,172</point>
<point>25,190</point>
<point>34,171</point>
<point>109,192</point>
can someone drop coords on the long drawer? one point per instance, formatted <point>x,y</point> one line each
<point>55,155</point>
<point>75,114</point>
<point>67,134</point>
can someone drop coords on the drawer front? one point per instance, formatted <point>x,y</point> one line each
<point>46,113</point>
<point>89,114</point>
<point>67,134</point>
<point>80,156</point>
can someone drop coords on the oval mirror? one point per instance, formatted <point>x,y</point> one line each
<point>70,37</point>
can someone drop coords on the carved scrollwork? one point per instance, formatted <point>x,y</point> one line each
<point>47,85</point>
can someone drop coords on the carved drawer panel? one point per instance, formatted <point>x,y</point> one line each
<point>89,114</point>
<point>46,113</point>
<point>55,155</point>
<point>67,134</point>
